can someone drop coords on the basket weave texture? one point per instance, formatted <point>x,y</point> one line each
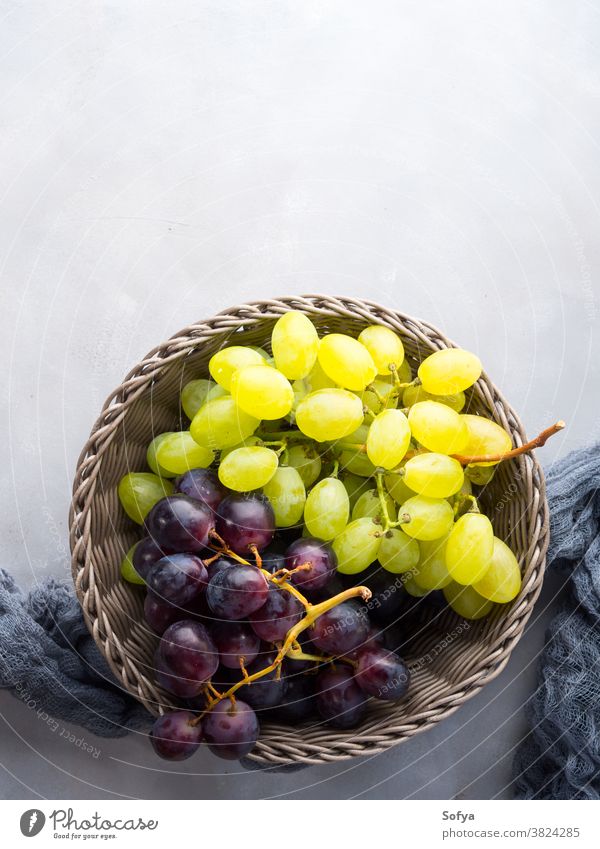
<point>450,659</point>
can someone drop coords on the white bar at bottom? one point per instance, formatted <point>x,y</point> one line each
<point>302,824</point>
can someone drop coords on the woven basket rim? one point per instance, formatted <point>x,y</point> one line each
<point>277,750</point>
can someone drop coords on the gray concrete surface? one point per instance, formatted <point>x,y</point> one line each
<point>162,161</point>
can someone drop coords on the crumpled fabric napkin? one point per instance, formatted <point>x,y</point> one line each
<point>560,758</point>
<point>48,655</point>
<point>49,660</point>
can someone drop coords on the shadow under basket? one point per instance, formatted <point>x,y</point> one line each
<point>450,658</point>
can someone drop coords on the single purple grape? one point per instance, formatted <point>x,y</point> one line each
<point>298,702</point>
<point>236,593</point>
<point>245,520</point>
<point>235,641</point>
<point>340,630</point>
<point>273,560</point>
<point>179,523</point>
<point>188,651</point>
<point>331,588</point>
<point>340,701</point>
<point>178,579</point>
<point>381,674</point>
<point>318,555</point>
<point>280,612</point>
<point>217,565</point>
<point>375,639</point>
<point>231,730</point>
<point>183,688</point>
<point>146,553</point>
<point>159,614</point>
<point>173,737</point>
<point>202,485</point>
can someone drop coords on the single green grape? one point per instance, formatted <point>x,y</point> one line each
<point>398,552</point>
<point>405,372</point>
<point>317,379</point>
<point>307,460</point>
<point>346,361</point>
<point>466,601</point>
<point>128,573</point>
<point>502,581</point>
<point>327,509</point>
<point>432,573</point>
<point>434,475</point>
<point>151,456</point>
<point>357,546</point>
<point>300,391</point>
<point>430,518</point>
<point>449,370</point>
<point>397,487</point>
<point>193,395</point>
<point>355,485</point>
<point>357,464</point>
<point>264,354</point>
<point>287,496</point>
<point>437,427</point>
<point>179,452</point>
<point>412,588</point>
<point>329,414</point>
<point>216,392</point>
<point>384,346</point>
<point>480,473</point>
<point>262,392</point>
<point>388,439</point>
<point>484,437</point>
<point>246,469</point>
<point>355,460</point>
<point>295,343</point>
<point>379,395</point>
<point>369,505</point>
<point>247,443</point>
<point>221,424</point>
<point>139,491</point>
<point>414,394</point>
<point>469,548</point>
<point>224,364</point>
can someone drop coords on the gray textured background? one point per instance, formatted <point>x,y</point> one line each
<point>159,162</point>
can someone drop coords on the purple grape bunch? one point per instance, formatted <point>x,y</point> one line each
<point>251,625</point>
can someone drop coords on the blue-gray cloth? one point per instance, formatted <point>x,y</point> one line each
<point>48,658</point>
<point>560,758</point>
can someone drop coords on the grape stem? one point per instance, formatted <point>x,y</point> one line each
<point>399,385</point>
<point>473,506</point>
<point>539,440</point>
<point>257,556</point>
<point>223,549</point>
<point>296,653</point>
<point>404,519</point>
<point>313,613</point>
<point>281,443</point>
<point>387,524</point>
<point>279,577</point>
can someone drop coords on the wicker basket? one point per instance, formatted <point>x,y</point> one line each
<point>450,659</point>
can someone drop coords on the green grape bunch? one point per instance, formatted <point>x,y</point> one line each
<point>332,448</point>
